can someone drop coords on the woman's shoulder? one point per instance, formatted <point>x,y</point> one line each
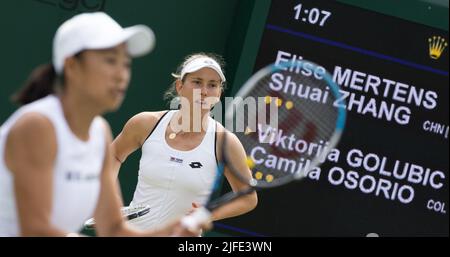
<point>148,118</point>
<point>141,124</point>
<point>35,120</point>
<point>220,128</point>
<point>222,132</point>
<point>33,133</point>
<point>233,144</point>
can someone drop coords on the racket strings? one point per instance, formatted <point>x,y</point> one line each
<point>303,121</point>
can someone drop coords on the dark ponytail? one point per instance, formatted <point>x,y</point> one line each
<point>40,84</point>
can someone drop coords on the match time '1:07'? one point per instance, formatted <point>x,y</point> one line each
<point>313,16</point>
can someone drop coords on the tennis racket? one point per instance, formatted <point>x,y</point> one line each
<point>128,212</point>
<point>308,118</point>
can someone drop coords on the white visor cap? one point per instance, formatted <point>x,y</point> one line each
<point>200,63</point>
<point>98,31</point>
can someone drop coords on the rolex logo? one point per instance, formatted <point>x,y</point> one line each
<point>437,46</point>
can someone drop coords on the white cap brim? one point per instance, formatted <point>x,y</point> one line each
<point>94,31</point>
<point>140,40</point>
<point>200,63</point>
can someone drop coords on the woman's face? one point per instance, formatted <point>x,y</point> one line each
<point>103,76</point>
<point>201,89</point>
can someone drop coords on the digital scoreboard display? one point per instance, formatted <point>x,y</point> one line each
<point>389,175</point>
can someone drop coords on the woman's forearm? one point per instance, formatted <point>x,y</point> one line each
<point>235,208</point>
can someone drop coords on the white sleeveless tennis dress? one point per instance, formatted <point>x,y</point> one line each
<point>76,174</point>
<point>169,179</point>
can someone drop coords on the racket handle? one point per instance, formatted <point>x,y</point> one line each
<point>196,219</point>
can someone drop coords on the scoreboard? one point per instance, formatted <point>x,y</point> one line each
<point>391,177</point>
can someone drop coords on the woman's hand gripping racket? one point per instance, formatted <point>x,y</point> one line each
<point>307,118</point>
<point>128,212</point>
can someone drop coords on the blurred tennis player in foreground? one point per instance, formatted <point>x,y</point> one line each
<point>55,166</point>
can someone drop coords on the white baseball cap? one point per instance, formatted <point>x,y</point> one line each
<point>98,31</point>
<point>200,63</point>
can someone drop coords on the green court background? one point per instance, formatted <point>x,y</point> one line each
<point>231,28</point>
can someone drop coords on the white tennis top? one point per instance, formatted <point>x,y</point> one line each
<point>169,179</point>
<point>76,176</point>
